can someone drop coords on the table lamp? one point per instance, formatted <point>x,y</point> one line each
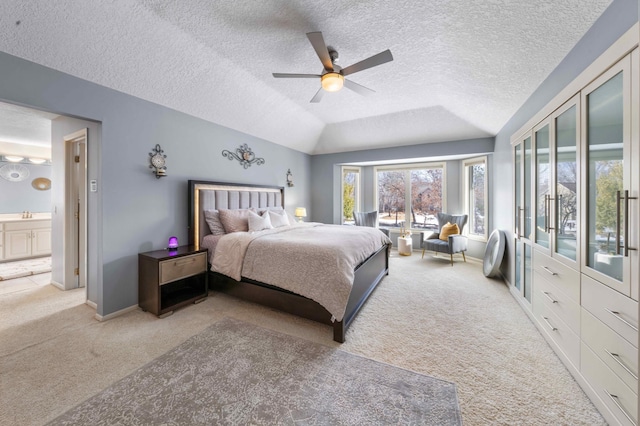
<point>300,213</point>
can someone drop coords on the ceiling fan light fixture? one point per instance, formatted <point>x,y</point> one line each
<point>332,81</point>
<point>13,158</point>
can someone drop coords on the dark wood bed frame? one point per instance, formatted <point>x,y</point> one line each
<point>367,276</point>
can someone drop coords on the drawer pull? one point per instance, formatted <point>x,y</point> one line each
<point>614,398</point>
<point>549,324</point>
<point>549,271</point>
<point>617,359</point>
<point>184,262</point>
<point>616,314</point>
<point>546,293</point>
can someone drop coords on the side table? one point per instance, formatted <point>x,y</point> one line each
<point>405,246</point>
<point>170,279</point>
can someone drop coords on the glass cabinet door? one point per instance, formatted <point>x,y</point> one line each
<point>566,184</point>
<point>526,189</point>
<point>542,187</point>
<point>608,143</point>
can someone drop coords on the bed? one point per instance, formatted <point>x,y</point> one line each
<point>256,279</point>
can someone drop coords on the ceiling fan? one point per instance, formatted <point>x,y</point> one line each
<point>333,76</point>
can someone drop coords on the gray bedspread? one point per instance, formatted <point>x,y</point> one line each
<point>313,260</point>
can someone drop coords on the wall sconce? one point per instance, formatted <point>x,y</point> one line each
<point>157,160</point>
<point>300,213</point>
<point>289,178</point>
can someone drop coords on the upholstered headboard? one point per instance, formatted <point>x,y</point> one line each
<point>204,195</point>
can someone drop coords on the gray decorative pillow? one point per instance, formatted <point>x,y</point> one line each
<point>213,220</point>
<point>258,223</point>
<point>278,218</point>
<point>235,220</point>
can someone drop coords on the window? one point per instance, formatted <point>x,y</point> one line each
<point>475,192</point>
<point>410,195</point>
<point>350,193</point>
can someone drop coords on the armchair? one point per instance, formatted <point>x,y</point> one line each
<point>454,243</point>
<point>366,218</point>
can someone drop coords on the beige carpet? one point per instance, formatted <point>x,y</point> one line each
<point>448,322</point>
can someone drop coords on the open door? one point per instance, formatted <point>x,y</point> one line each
<point>76,208</point>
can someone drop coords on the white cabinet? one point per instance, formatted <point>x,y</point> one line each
<point>576,223</point>
<point>27,239</point>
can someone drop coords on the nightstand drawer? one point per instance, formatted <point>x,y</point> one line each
<point>182,267</point>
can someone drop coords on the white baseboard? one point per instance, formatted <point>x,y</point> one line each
<point>116,314</point>
<point>58,285</point>
<point>92,304</point>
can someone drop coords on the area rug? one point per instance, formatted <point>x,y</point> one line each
<point>237,373</point>
<point>24,268</point>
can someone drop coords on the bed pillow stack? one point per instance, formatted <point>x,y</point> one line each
<point>235,220</point>
<point>259,223</point>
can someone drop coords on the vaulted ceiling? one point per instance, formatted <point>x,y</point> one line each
<point>461,68</point>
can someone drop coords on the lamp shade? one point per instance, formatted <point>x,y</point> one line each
<point>173,243</point>
<point>332,81</point>
<point>301,212</point>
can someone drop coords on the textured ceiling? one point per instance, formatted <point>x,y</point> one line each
<point>461,68</point>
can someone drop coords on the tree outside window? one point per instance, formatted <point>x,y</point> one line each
<point>410,196</point>
<point>475,171</point>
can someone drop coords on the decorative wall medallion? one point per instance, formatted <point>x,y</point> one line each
<point>244,155</point>
<point>41,184</point>
<point>14,172</point>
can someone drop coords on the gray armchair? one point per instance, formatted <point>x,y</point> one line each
<point>454,244</point>
<point>366,218</point>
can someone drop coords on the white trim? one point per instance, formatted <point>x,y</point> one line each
<point>58,285</point>
<point>618,50</point>
<point>92,304</point>
<point>467,208</point>
<point>116,313</point>
<point>358,189</point>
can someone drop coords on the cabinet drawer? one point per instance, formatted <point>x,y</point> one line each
<point>558,331</point>
<point>612,308</point>
<point>182,267</point>
<point>619,355</point>
<point>28,224</point>
<point>617,396</point>
<point>557,302</point>
<point>565,278</point>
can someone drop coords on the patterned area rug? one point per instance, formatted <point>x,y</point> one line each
<point>236,373</point>
<point>24,268</point>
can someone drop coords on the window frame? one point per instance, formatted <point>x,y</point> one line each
<point>407,167</point>
<point>358,189</point>
<point>466,176</point>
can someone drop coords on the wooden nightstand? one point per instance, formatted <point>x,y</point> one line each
<point>168,280</point>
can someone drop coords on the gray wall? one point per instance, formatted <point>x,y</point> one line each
<point>326,173</point>
<point>138,212</point>
<point>615,21</point>
<point>16,197</point>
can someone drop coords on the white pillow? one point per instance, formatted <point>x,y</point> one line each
<point>258,223</point>
<point>278,218</point>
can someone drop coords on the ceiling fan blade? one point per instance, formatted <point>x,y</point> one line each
<point>317,41</point>
<point>358,88</point>
<point>379,59</point>
<point>281,75</point>
<point>318,96</point>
